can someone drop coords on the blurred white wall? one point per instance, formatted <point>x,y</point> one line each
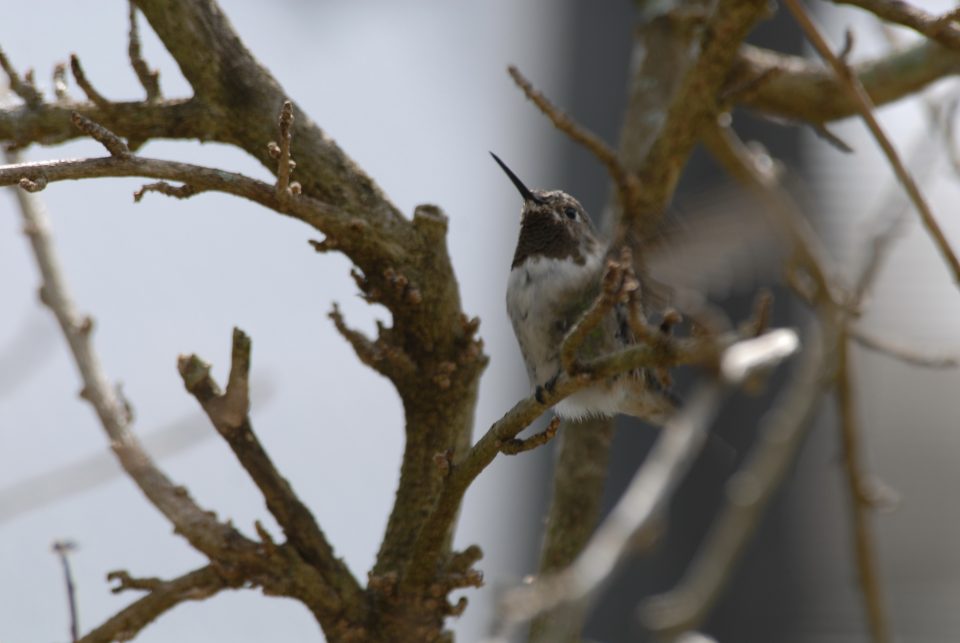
<point>416,93</point>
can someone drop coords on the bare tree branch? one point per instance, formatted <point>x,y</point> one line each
<point>670,352</point>
<point>627,184</point>
<point>20,86</point>
<point>197,585</point>
<point>149,78</point>
<point>324,217</point>
<point>113,143</point>
<point>801,90</point>
<point>902,353</point>
<point>198,526</point>
<point>937,28</point>
<point>229,413</point>
<point>687,604</point>
<point>657,150</point>
<point>80,76</point>
<point>51,124</point>
<point>515,446</point>
<point>679,66</point>
<point>868,567</point>
<point>859,95</point>
<point>651,488</point>
<point>578,481</point>
<point>62,549</point>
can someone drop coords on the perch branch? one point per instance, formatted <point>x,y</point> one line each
<point>858,94</point>
<point>651,488</point>
<point>679,68</point>
<point>613,288</point>
<point>524,412</point>
<point>229,413</point>
<point>681,59</point>
<point>668,353</point>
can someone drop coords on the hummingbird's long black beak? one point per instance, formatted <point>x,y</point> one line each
<point>524,190</point>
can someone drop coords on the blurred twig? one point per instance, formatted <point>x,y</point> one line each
<point>902,353</point>
<point>853,86</point>
<point>651,488</point>
<point>781,434</point>
<point>861,502</point>
<point>62,549</point>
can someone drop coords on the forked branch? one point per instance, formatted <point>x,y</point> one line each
<point>852,85</point>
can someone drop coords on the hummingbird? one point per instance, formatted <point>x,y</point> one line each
<point>555,276</point>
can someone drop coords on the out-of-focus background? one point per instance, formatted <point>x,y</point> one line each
<point>417,94</point>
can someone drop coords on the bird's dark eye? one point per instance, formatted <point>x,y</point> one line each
<point>570,212</point>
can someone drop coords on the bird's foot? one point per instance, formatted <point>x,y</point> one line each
<point>547,387</point>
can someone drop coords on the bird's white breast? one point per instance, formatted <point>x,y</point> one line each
<point>536,290</point>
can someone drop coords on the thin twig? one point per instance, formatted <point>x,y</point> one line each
<point>686,605</point>
<point>855,89</point>
<point>184,191</point>
<point>22,88</point>
<point>327,218</point>
<point>200,527</point>
<point>628,185</point>
<point>62,549</point>
<point>282,152</point>
<point>902,353</point>
<point>113,143</point>
<point>197,585</point>
<point>894,210</point>
<point>149,78</point>
<point>860,499</point>
<point>580,473</point>
<point>651,487</point>
<point>380,355</point>
<point>60,83</point>
<point>934,27</point>
<point>229,413</point>
<point>78,74</point>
